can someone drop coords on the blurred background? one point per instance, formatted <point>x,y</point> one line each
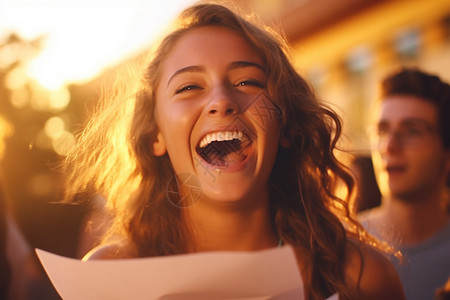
<point>55,54</point>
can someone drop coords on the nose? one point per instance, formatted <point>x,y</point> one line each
<point>391,143</point>
<point>222,104</point>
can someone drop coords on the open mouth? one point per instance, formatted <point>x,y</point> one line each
<point>224,148</point>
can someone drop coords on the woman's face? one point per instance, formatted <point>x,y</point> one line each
<point>216,122</point>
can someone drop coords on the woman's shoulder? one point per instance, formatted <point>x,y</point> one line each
<point>371,274</point>
<point>116,250</point>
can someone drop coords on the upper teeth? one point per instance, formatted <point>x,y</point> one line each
<point>222,136</point>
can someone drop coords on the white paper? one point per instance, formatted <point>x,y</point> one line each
<point>334,297</point>
<point>267,274</point>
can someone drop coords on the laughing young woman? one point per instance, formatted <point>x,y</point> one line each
<point>227,148</point>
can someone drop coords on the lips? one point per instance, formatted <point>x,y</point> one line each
<point>395,169</point>
<point>224,148</point>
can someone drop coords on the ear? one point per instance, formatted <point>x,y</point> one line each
<point>159,146</point>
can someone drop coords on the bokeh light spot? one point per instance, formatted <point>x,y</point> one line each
<point>8,55</point>
<point>64,143</point>
<point>39,100</point>
<point>59,99</point>
<point>16,79</point>
<point>6,130</point>
<point>19,98</point>
<point>54,127</point>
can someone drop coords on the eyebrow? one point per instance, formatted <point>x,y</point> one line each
<point>408,121</point>
<point>199,69</point>
<point>244,64</point>
<point>189,69</point>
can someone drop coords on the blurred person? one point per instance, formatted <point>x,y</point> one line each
<point>15,254</point>
<point>5,267</point>
<point>411,157</point>
<point>21,277</point>
<point>14,250</point>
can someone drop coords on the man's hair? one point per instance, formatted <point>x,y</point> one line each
<point>426,86</point>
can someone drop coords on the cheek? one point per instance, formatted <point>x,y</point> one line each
<point>174,118</point>
<point>264,112</point>
<point>172,113</point>
<point>176,121</point>
<point>429,162</point>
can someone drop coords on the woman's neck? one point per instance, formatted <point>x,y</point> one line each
<point>231,226</point>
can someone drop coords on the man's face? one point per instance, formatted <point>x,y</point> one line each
<point>407,150</point>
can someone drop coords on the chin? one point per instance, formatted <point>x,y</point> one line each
<point>235,194</point>
<point>225,196</point>
<point>407,195</point>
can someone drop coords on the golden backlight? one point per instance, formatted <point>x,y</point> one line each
<point>83,37</point>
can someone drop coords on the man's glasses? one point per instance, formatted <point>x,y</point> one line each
<point>409,133</point>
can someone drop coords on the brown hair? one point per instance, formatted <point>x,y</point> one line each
<point>426,86</point>
<point>306,211</point>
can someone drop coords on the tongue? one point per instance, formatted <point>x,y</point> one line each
<point>223,153</point>
<point>227,159</point>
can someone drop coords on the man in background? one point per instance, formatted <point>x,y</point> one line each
<point>411,157</point>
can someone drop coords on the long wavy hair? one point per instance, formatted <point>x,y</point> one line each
<point>114,158</point>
